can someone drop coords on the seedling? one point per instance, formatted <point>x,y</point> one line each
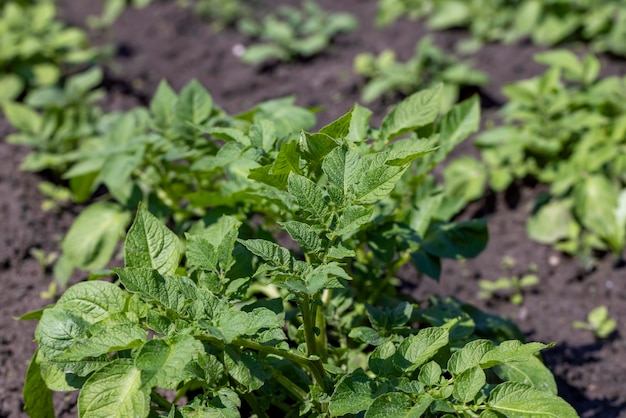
<point>44,259</point>
<point>57,196</point>
<point>599,322</point>
<point>514,285</point>
<point>293,33</point>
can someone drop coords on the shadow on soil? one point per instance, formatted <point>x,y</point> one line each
<point>566,356</point>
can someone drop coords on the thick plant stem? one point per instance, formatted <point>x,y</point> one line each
<point>308,320</point>
<point>321,340</point>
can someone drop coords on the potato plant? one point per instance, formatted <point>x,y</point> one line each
<point>291,33</point>
<point>34,46</point>
<point>229,321</point>
<point>602,23</point>
<point>567,129</point>
<point>429,65</point>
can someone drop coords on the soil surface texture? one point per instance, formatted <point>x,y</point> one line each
<point>164,41</point>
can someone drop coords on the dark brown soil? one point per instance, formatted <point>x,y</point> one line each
<point>163,41</point>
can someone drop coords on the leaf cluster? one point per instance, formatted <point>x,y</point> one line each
<point>599,23</point>
<point>291,33</point>
<point>35,46</point>
<point>429,65</point>
<point>566,128</point>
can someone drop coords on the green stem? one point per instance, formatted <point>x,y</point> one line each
<point>308,321</point>
<point>254,405</point>
<point>320,323</point>
<point>161,402</point>
<point>294,389</point>
<point>315,366</point>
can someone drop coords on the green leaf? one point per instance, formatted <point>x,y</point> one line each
<point>11,86</point>
<point>304,235</point>
<point>272,253</point>
<point>60,378</point>
<point>342,166</point>
<point>516,400</point>
<point>359,124</point>
<point>288,159</point>
<point>551,223</point>
<point>315,147</point>
<point>405,150</point>
<point>163,104</point>
<point>418,349</point>
<point>37,397</point>
<point>340,127</point>
<point>366,335</point>
<point>194,104</point>
<point>309,196</point>
<point>414,112</point>
<point>562,58</point>
<point>595,205</point>
<point>222,236</point>
<point>245,368</point>
<point>453,240</point>
<point>398,405</point>
<point>94,301</point>
<point>457,124</point>
<point>150,244</point>
<point>465,179</point>
<point>352,219</point>
<point>172,292</point>
<point>355,392</point>
<point>22,117</point>
<point>114,391</point>
<point>509,351</point>
<point>468,356</point>
<point>381,360</point>
<point>93,237</point>
<point>531,372</point>
<point>114,334</point>
<point>468,383</point>
<point>201,254</point>
<point>430,373</point>
<point>323,276</point>
<point>163,361</point>
<point>59,330</point>
<point>377,183</point>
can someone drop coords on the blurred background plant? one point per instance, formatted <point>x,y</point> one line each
<point>429,65</point>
